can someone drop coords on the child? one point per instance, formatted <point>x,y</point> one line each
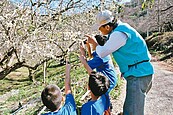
<point>52,98</point>
<point>99,104</point>
<point>103,65</point>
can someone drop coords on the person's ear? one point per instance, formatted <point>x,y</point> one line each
<point>107,27</point>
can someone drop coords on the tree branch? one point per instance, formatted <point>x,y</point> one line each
<point>7,70</point>
<point>166,9</point>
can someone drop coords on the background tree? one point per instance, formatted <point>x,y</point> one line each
<point>35,32</point>
<point>151,15</point>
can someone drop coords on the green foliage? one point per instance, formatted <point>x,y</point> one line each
<point>116,91</point>
<point>120,8</point>
<point>28,93</point>
<point>147,4</point>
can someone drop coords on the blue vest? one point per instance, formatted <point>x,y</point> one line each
<point>134,52</point>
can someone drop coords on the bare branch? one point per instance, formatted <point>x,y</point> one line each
<point>166,9</point>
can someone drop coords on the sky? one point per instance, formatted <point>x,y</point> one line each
<point>122,1</point>
<point>55,3</point>
<point>125,1</point>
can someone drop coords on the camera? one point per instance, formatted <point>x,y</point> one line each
<point>85,41</point>
<point>101,40</point>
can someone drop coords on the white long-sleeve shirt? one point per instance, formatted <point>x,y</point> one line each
<point>116,40</point>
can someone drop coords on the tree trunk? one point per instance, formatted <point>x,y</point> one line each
<point>6,71</point>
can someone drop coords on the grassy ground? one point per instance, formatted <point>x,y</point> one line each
<point>21,96</point>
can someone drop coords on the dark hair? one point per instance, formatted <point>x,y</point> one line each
<point>51,97</point>
<point>98,83</point>
<point>112,24</point>
<point>101,40</point>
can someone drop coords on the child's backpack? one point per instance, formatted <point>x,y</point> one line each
<point>107,112</point>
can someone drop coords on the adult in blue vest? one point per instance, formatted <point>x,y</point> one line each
<point>132,56</point>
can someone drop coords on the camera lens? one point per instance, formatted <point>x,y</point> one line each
<point>84,41</point>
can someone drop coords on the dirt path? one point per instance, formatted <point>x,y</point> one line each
<point>160,98</point>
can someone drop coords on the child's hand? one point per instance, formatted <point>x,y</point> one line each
<point>82,59</point>
<point>82,50</point>
<point>84,62</point>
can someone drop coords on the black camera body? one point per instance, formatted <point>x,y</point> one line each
<point>101,40</point>
<point>84,41</point>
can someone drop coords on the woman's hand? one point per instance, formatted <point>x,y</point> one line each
<point>91,41</point>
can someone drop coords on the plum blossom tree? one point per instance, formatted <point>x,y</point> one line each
<point>35,32</point>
